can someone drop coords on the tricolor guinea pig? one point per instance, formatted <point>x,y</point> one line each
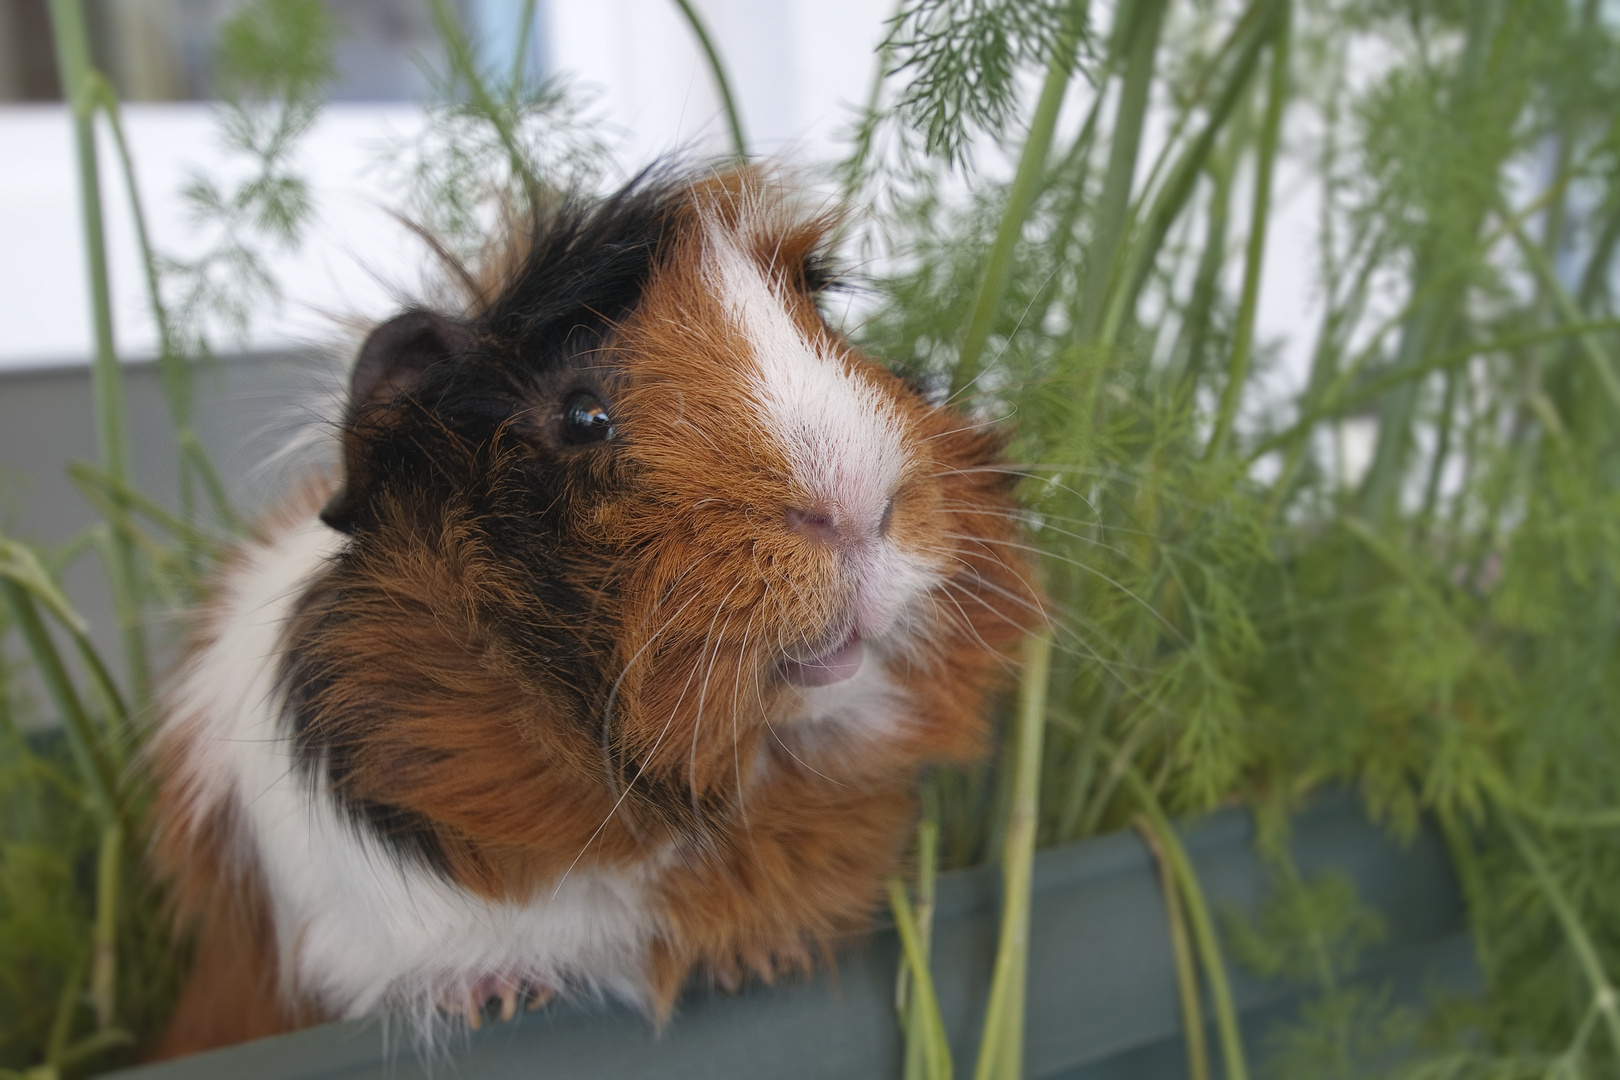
<point>611,657</point>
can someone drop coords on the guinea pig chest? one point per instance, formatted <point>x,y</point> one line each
<point>613,654</point>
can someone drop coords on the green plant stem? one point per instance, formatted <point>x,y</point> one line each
<point>1192,1012</point>
<point>1603,991</point>
<point>462,63</point>
<point>1183,176</point>
<point>1324,365</point>
<point>1141,41</point>
<point>520,54</point>
<point>102,489</point>
<point>171,360</point>
<point>1471,876</point>
<point>1340,401</point>
<point>1086,756</point>
<point>1547,817</point>
<point>1209,949</point>
<point>1440,277</point>
<point>76,724</point>
<point>920,1064</point>
<point>104,958</point>
<point>1442,450</point>
<point>925,1029</point>
<point>79,88</point>
<point>1207,278</point>
<point>1243,336</point>
<point>1001,1046</point>
<point>67,1004</point>
<point>1602,364</point>
<point>739,144</point>
<point>20,566</point>
<point>998,264</point>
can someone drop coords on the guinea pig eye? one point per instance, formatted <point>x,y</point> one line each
<point>586,419</point>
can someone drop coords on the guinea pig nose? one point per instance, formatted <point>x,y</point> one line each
<point>817,524</point>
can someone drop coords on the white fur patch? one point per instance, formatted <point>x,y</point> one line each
<point>844,440</point>
<point>358,929</point>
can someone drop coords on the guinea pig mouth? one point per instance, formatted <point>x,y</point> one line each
<point>835,665</point>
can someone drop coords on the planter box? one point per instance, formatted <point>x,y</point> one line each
<point>1102,987</point>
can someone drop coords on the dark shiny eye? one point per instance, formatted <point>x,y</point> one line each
<point>586,419</point>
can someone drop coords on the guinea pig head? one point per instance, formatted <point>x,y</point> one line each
<point>637,521</point>
<point>786,501</point>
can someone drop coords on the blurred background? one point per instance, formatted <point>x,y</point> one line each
<point>800,68</point>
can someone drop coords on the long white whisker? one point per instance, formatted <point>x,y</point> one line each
<point>703,690</point>
<point>1123,588</point>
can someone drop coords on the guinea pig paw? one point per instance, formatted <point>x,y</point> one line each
<point>539,995</point>
<point>473,1011</point>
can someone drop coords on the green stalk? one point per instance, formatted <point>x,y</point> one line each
<point>56,1044</point>
<point>520,55</point>
<point>194,462</point>
<point>462,63</point>
<point>1020,197</point>
<point>1001,1047</point>
<point>1238,366</point>
<point>1141,42</point>
<point>104,958</point>
<point>1088,752</point>
<point>1183,178</point>
<point>1604,995</point>
<point>1339,402</point>
<point>1192,1012</point>
<point>1209,948</point>
<point>1063,231</point>
<point>926,1044</point>
<point>1471,876</point>
<point>739,144</point>
<point>169,361</point>
<point>79,88</point>
<point>22,568</point>
<point>1547,817</point>
<point>1411,355</point>
<point>1207,278</point>
<point>917,1061</point>
<point>1597,356</point>
<point>1324,365</point>
<point>1444,288</point>
<point>76,724</point>
<point>1442,449</point>
<point>1594,278</point>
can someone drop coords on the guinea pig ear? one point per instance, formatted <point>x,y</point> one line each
<point>391,363</point>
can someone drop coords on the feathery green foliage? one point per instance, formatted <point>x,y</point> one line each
<point>1241,610</point>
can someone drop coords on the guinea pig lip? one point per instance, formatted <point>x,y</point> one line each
<point>838,664</point>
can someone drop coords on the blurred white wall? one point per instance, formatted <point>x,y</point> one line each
<point>797,68</point>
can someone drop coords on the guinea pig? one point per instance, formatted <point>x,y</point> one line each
<point>611,658</point>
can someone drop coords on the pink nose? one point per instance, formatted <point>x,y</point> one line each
<point>834,528</point>
<point>818,524</point>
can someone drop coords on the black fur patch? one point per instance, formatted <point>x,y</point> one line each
<point>462,439</point>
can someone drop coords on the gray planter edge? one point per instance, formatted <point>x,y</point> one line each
<point>1101,1001</point>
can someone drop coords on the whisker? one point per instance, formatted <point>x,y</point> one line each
<point>1125,589</point>
<point>697,725</point>
<point>651,753</point>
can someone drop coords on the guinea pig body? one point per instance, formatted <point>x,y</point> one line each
<point>612,657</point>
